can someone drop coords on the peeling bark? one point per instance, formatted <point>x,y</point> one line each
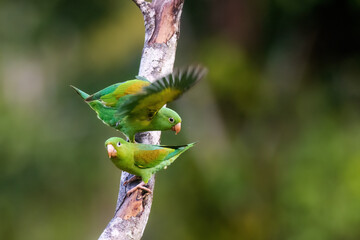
<point>162,28</point>
<point>166,21</point>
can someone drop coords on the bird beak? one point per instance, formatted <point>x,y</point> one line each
<point>176,128</point>
<point>111,151</point>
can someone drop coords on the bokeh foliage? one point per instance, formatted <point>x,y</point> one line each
<point>277,120</point>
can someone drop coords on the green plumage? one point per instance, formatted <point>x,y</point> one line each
<point>138,105</point>
<point>142,160</point>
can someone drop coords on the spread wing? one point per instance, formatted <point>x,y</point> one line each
<point>152,98</point>
<point>110,96</point>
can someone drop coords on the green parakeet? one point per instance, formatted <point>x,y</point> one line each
<point>138,105</point>
<point>142,160</point>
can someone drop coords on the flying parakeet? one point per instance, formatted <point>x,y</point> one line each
<point>142,160</point>
<point>138,105</point>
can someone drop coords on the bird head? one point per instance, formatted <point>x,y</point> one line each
<point>169,119</point>
<point>115,147</point>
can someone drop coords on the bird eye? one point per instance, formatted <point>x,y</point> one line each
<point>171,120</point>
<point>118,144</point>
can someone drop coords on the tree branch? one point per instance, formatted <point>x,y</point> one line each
<point>162,28</point>
<point>144,7</point>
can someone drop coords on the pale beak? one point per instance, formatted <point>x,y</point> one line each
<point>111,151</point>
<point>176,128</point>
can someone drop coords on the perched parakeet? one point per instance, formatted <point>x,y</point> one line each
<point>142,160</point>
<point>138,105</point>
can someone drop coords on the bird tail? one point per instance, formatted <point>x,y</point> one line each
<point>82,94</point>
<point>183,148</point>
<point>172,156</point>
<point>101,110</point>
<point>180,147</point>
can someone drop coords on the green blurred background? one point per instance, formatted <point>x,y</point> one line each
<point>277,120</point>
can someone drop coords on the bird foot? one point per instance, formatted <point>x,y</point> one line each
<point>133,141</point>
<point>132,179</point>
<point>141,186</point>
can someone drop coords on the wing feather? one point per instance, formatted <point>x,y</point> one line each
<point>153,97</point>
<point>151,158</point>
<point>146,157</point>
<point>110,96</point>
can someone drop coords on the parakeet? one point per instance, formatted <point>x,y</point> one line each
<point>138,105</point>
<point>142,160</point>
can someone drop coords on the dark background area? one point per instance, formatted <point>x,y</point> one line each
<point>277,120</point>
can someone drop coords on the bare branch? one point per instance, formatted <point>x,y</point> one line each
<point>162,27</point>
<point>138,2</point>
<point>144,7</point>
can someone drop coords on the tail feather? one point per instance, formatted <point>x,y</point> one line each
<point>82,94</point>
<point>179,146</point>
<point>172,157</point>
<point>179,150</point>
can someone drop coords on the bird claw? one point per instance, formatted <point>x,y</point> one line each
<point>141,186</point>
<point>133,141</point>
<point>130,180</point>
